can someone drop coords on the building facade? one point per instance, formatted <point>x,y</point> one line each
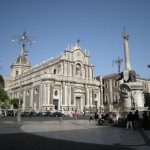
<point>63,83</point>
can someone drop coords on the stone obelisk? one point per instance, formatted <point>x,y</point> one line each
<point>126,51</point>
<point>130,91</point>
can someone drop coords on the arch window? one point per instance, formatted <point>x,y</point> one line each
<point>54,71</point>
<point>28,92</point>
<point>36,91</point>
<point>78,69</point>
<point>17,72</point>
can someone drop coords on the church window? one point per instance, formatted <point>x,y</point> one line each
<point>115,98</point>
<point>105,98</point>
<point>78,69</point>
<point>21,94</point>
<point>95,95</point>
<point>36,91</point>
<point>115,83</point>
<point>106,85</point>
<point>56,93</point>
<point>28,92</point>
<point>54,71</point>
<point>17,72</point>
<point>145,86</point>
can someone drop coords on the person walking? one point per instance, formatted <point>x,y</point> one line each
<point>75,115</point>
<point>129,121</point>
<point>141,120</point>
<point>91,117</point>
<point>96,116</point>
<point>145,120</point>
<point>60,118</point>
<point>136,120</point>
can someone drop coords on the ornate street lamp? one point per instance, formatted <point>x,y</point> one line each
<point>23,40</point>
<point>118,63</point>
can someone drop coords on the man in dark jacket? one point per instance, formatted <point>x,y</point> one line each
<point>129,121</point>
<point>136,120</point>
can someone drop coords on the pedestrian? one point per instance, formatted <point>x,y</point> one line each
<point>129,121</point>
<point>60,118</point>
<point>141,120</point>
<point>145,120</point>
<point>100,118</point>
<point>96,116</point>
<point>114,118</point>
<point>75,115</point>
<point>83,113</point>
<point>136,120</point>
<point>71,115</point>
<point>91,117</point>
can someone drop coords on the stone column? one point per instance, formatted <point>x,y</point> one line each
<point>101,96</point>
<point>24,99</point>
<point>72,95</point>
<point>63,93</point>
<point>126,52</point>
<point>41,95</point>
<point>31,97</point>
<point>51,94</point>
<point>86,96</point>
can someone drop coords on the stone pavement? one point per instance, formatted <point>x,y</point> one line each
<point>84,133</point>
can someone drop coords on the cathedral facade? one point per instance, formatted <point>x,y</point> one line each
<point>63,83</point>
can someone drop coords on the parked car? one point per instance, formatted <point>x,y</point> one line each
<point>10,113</point>
<point>41,113</point>
<point>49,113</point>
<point>25,114</point>
<point>45,113</point>
<point>58,114</point>
<point>32,113</point>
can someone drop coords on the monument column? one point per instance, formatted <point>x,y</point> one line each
<point>51,94</point>
<point>126,51</point>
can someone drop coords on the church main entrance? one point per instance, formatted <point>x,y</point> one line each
<point>56,104</point>
<point>78,104</point>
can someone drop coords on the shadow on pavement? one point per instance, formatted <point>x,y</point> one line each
<point>25,141</point>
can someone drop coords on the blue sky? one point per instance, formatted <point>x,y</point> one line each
<point>97,23</point>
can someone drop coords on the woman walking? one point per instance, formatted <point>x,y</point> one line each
<point>91,117</point>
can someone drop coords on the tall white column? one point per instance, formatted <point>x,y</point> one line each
<point>31,97</point>
<point>126,52</point>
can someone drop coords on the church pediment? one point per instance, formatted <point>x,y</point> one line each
<point>78,55</point>
<point>79,90</point>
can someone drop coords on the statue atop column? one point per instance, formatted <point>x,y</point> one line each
<point>128,75</point>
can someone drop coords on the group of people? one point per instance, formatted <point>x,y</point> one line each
<point>137,120</point>
<point>98,116</point>
<point>74,115</point>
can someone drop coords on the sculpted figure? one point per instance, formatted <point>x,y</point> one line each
<point>132,76</point>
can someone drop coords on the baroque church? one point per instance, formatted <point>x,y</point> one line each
<point>63,83</point>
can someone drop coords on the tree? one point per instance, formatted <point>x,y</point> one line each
<point>4,99</point>
<point>2,83</point>
<point>15,102</point>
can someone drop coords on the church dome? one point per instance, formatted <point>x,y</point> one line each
<point>21,60</point>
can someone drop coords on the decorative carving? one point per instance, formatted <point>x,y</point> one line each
<point>124,93</point>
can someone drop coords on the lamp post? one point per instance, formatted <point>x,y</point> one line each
<point>1,68</point>
<point>118,63</point>
<point>22,39</point>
